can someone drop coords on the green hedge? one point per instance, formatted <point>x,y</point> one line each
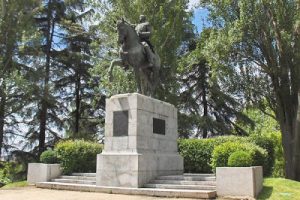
<point>197,153</point>
<point>240,159</point>
<point>223,151</point>
<point>267,144</point>
<point>49,157</point>
<point>78,155</point>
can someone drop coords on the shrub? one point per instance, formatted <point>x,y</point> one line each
<point>240,159</point>
<point>4,179</point>
<point>269,145</point>
<point>222,139</point>
<point>222,152</point>
<point>278,169</point>
<point>10,172</point>
<point>196,154</point>
<point>49,157</point>
<point>78,155</point>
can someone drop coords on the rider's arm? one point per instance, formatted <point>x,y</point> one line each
<point>146,33</point>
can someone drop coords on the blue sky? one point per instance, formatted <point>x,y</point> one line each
<point>200,15</point>
<point>200,18</point>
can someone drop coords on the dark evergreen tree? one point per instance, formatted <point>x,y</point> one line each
<point>206,108</point>
<point>15,23</point>
<point>44,111</point>
<point>84,115</point>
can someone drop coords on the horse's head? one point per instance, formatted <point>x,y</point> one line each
<point>122,28</point>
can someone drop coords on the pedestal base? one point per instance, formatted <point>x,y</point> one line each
<point>140,141</point>
<point>133,169</point>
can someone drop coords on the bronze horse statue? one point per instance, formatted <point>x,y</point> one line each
<point>132,53</point>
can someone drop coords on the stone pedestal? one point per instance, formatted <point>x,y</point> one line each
<point>239,181</point>
<point>41,172</point>
<point>140,141</point>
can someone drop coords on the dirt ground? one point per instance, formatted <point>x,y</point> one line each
<point>33,193</point>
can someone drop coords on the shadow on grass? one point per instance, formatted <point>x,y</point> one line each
<point>265,193</point>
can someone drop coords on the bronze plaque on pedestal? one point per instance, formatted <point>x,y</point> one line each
<point>159,126</point>
<point>120,123</point>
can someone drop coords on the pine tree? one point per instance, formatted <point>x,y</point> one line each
<point>77,86</point>
<point>42,114</point>
<point>206,108</point>
<point>15,22</point>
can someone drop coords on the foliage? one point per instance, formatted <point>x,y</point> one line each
<point>78,155</point>
<point>15,18</point>
<point>280,188</point>
<point>222,153</point>
<point>83,115</point>
<point>196,154</point>
<point>10,172</point>
<point>265,122</point>
<point>240,159</point>
<point>49,157</point>
<point>259,43</point>
<point>211,110</point>
<point>267,128</point>
<point>278,170</point>
<point>264,142</point>
<point>4,180</point>
<point>269,145</point>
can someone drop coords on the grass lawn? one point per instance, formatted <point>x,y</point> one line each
<point>15,184</point>
<point>280,188</point>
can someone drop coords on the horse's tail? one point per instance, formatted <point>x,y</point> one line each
<point>156,70</point>
<point>157,63</point>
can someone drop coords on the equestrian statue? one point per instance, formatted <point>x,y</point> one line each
<point>137,51</point>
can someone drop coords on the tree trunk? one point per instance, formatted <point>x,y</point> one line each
<point>77,111</point>
<point>2,115</point>
<point>43,121</point>
<point>290,129</point>
<point>205,114</point>
<point>296,147</point>
<point>287,145</point>
<point>205,106</point>
<point>45,98</point>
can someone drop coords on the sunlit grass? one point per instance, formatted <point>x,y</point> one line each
<point>15,184</point>
<point>280,189</point>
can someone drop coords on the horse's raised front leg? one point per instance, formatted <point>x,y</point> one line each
<point>114,62</point>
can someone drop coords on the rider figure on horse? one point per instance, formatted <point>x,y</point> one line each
<point>144,30</point>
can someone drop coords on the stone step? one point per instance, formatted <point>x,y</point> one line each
<point>74,181</point>
<point>79,178</point>
<point>84,174</point>
<point>181,187</point>
<point>187,178</point>
<point>198,194</point>
<point>183,182</point>
<point>199,175</point>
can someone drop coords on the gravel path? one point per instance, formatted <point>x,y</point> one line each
<point>33,193</point>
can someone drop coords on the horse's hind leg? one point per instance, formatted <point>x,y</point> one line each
<point>138,80</point>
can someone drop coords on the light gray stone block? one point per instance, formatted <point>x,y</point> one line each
<point>239,181</point>
<point>133,160</point>
<point>40,172</point>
